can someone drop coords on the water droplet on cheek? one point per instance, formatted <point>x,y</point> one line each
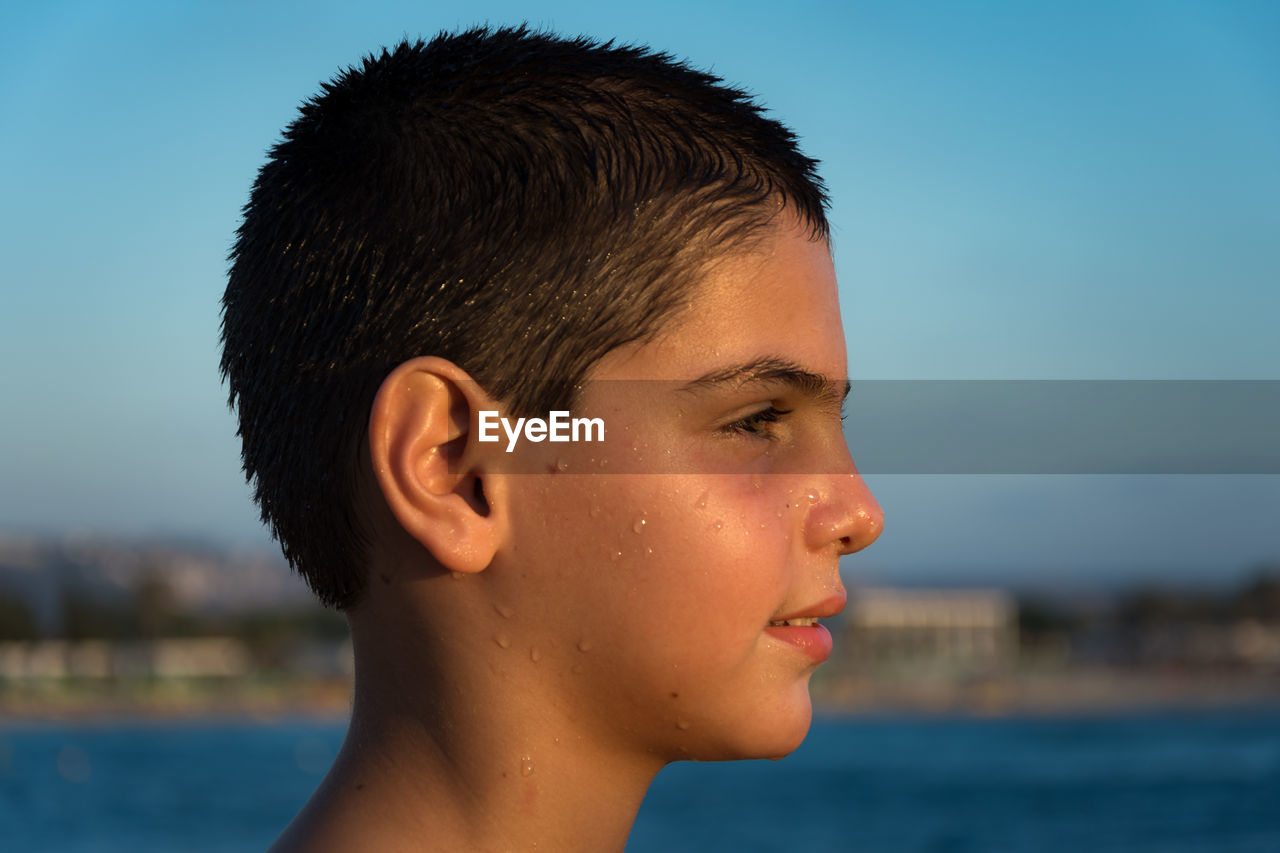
<point>682,725</point>
<point>562,465</point>
<point>702,500</point>
<point>534,654</point>
<point>505,611</point>
<point>584,645</point>
<point>719,525</point>
<point>503,641</point>
<point>526,766</point>
<point>812,497</point>
<point>638,527</point>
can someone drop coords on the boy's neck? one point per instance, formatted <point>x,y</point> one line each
<point>436,758</point>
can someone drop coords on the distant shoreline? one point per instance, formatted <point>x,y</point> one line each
<point>1070,692</point>
<point>256,699</point>
<point>1075,690</point>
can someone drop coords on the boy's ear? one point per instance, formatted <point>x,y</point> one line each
<point>426,461</point>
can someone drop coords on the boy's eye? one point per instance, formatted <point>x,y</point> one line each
<point>758,423</point>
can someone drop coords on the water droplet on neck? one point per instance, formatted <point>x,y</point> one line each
<point>584,645</point>
<point>502,640</point>
<point>682,725</point>
<point>534,654</point>
<point>526,766</point>
<point>638,527</point>
<point>505,611</point>
<point>458,575</point>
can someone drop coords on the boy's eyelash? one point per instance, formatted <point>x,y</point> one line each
<point>757,423</point>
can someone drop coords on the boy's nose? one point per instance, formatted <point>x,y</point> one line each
<point>846,515</point>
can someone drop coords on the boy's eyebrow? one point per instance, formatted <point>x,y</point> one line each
<point>775,370</point>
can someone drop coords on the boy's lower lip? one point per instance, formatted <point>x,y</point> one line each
<point>813,640</point>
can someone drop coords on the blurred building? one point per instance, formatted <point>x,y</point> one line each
<point>197,657</point>
<point>960,631</point>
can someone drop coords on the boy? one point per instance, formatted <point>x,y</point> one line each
<point>623,252</point>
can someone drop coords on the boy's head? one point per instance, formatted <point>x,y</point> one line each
<point>513,203</point>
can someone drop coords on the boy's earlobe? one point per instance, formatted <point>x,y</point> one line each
<point>419,443</point>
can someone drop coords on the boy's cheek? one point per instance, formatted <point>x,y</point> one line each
<point>644,530</point>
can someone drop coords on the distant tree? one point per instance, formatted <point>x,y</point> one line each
<point>1260,597</point>
<point>271,634</point>
<point>1149,607</point>
<point>154,605</point>
<point>1039,618</point>
<point>16,619</point>
<point>87,618</point>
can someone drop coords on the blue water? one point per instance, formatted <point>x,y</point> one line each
<point>1173,783</point>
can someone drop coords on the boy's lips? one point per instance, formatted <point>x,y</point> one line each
<point>821,610</point>
<point>801,629</point>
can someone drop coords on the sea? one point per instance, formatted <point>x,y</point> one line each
<point>1166,782</point>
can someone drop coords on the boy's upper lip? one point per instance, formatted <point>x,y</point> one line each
<point>827,607</point>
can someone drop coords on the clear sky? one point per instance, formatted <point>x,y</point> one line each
<point>1022,191</point>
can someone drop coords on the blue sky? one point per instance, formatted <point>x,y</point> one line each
<point>1022,191</point>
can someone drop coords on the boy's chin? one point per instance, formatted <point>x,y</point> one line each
<point>792,735</point>
<point>767,734</point>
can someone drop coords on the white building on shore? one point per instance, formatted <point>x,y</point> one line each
<point>961,630</point>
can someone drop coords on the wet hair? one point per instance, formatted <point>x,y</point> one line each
<point>515,202</point>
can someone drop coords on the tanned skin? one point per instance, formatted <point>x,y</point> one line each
<point>544,631</point>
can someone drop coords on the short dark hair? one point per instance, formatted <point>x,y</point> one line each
<point>512,201</point>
